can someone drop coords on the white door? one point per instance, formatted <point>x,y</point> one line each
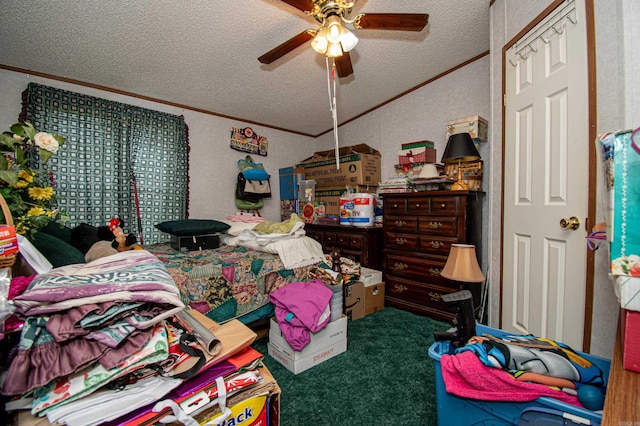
<point>546,178</point>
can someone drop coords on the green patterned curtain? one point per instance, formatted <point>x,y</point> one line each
<point>118,159</point>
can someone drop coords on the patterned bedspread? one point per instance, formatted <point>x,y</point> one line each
<point>229,281</point>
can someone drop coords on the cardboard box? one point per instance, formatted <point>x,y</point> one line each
<point>359,165</point>
<point>370,276</point>
<point>475,125</point>
<point>417,155</point>
<point>471,173</point>
<point>331,333</point>
<point>354,300</point>
<point>630,321</point>
<point>288,178</point>
<point>331,197</point>
<point>418,144</point>
<point>303,364</point>
<point>373,298</point>
<point>8,240</point>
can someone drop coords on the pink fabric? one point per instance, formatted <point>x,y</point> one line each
<point>299,309</point>
<point>19,285</point>
<point>466,376</point>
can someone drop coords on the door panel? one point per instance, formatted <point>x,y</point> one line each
<point>546,179</point>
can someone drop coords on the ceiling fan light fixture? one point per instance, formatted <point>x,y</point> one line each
<point>320,42</point>
<point>334,29</point>
<point>334,50</point>
<point>348,40</point>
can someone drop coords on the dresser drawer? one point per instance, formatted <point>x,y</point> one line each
<point>330,239</point>
<point>401,223</point>
<point>402,241</point>
<point>316,235</point>
<point>445,205</point>
<point>418,206</point>
<point>422,293</point>
<point>436,244</point>
<point>438,225</point>
<point>342,239</point>
<point>413,267</point>
<point>394,206</point>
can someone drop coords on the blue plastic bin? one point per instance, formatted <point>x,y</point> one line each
<point>456,411</point>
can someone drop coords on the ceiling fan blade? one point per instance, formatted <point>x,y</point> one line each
<point>286,47</point>
<point>343,65</point>
<point>303,5</point>
<point>391,21</point>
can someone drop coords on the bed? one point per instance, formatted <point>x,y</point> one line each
<point>231,281</point>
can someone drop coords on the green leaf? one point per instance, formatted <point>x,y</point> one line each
<point>20,159</point>
<point>4,164</point>
<point>44,154</point>
<point>7,140</point>
<point>8,176</point>
<point>60,139</point>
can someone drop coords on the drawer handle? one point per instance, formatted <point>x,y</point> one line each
<point>400,288</point>
<point>417,205</point>
<point>435,225</point>
<point>341,240</point>
<point>443,205</point>
<point>399,266</point>
<point>436,244</point>
<point>401,241</point>
<point>436,297</point>
<point>400,223</point>
<point>435,272</point>
<point>395,206</point>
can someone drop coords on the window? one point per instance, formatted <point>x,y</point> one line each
<point>118,159</point>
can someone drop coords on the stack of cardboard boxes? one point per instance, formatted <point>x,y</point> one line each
<point>359,169</point>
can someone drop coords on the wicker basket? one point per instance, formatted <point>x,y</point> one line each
<point>8,260</point>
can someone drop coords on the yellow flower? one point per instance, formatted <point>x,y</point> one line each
<point>22,184</point>
<point>23,174</point>
<point>41,194</point>
<point>35,211</point>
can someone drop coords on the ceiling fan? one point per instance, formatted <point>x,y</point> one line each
<point>333,38</point>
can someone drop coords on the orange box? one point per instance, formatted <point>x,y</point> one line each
<point>8,240</point>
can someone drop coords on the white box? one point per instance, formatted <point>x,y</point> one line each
<point>331,333</point>
<point>309,361</point>
<point>370,276</point>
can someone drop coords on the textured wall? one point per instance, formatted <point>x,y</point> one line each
<point>212,163</point>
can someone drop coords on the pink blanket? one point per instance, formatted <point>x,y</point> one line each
<point>465,376</point>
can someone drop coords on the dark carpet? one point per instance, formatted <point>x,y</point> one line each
<point>386,377</point>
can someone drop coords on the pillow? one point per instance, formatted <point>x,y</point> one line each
<point>188,227</point>
<point>235,228</point>
<point>62,232</point>
<point>58,252</point>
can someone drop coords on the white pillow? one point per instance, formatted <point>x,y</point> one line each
<point>238,227</point>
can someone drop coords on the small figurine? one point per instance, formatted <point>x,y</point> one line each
<point>122,241</point>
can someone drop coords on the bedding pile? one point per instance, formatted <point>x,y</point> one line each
<point>88,324</point>
<point>110,342</point>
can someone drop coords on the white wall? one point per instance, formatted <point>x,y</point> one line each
<point>212,164</point>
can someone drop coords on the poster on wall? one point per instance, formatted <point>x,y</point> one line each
<point>246,140</point>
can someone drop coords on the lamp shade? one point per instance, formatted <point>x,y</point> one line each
<point>460,148</point>
<point>462,264</point>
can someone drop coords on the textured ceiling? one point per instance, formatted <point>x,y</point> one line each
<point>203,53</point>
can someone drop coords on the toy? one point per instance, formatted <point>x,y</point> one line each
<point>122,241</point>
<point>591,397</point>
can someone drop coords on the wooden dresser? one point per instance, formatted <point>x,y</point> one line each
<point>419,228</point>
<point>362,244</point>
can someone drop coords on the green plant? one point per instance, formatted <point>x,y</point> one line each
<point>28,190</point>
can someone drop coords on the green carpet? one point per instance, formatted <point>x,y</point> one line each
<point>386,377</point>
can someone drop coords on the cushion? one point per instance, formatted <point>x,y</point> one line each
<point>188,227</point>
<point>58,231</point>
<point>58,252</point>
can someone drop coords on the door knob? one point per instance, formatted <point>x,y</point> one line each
<point>572,223</point>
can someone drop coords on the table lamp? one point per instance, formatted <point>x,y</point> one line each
<point>460,149</point>
<point>462,264</point>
